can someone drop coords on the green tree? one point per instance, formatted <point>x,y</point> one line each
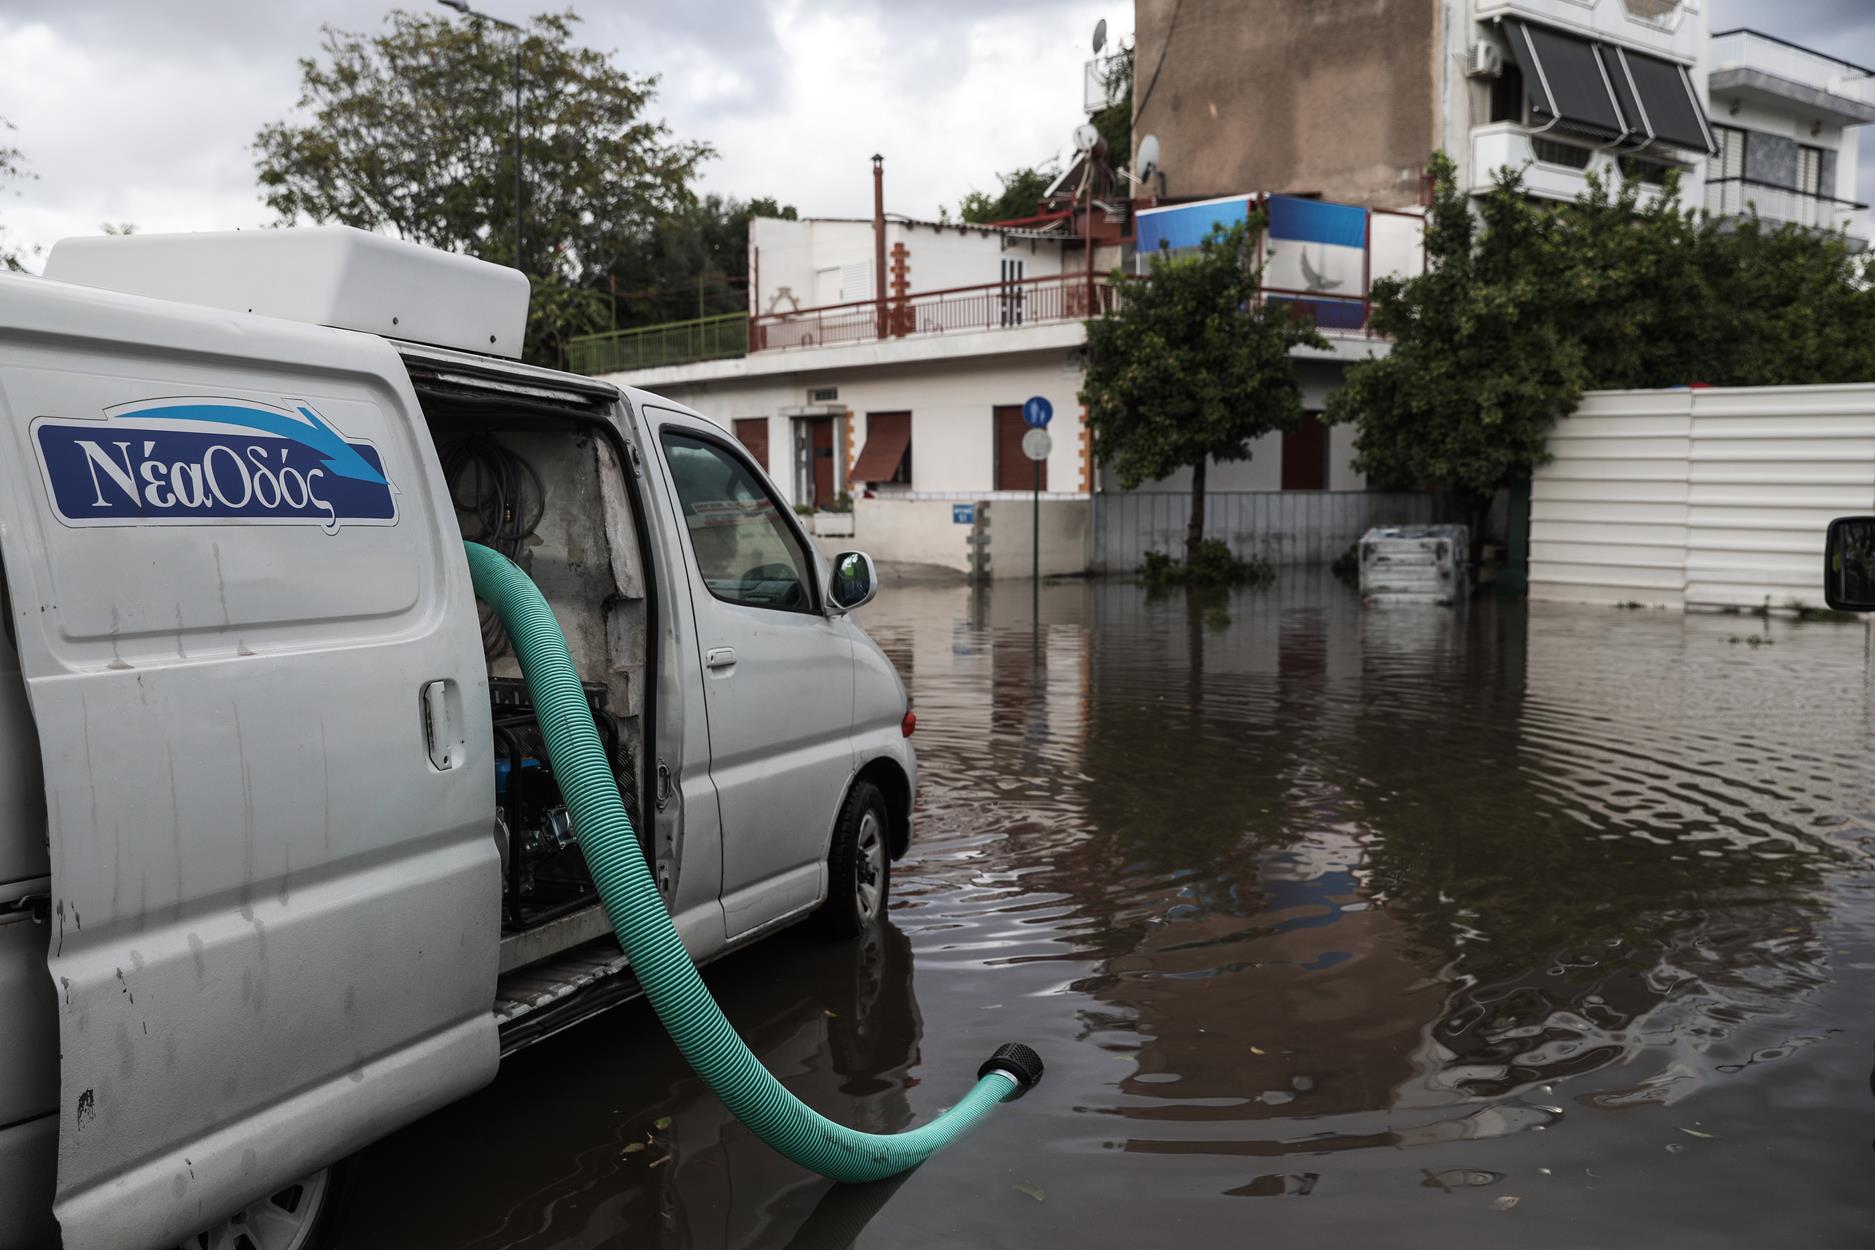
<point>411,132</point>
<point>1192,367</point>
<point>1482,363</point>
<point>12,169</point>
<point>695,263</point>
<point>1115,121</point>
<point>1523,305</point>
<point>1021,196</point>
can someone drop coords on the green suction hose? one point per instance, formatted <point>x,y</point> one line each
<point>650,941</point>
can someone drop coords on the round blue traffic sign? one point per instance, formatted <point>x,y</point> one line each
<point>1038,412</point>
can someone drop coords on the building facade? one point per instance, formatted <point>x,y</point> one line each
<point>1347,99</point>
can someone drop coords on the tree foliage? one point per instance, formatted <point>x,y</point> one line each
<point>12,169</point>
<point>1524,305</point>
<point>694,263</point>
<point>1021,196</point>
<point>1115,121</point>
<point>411,132</point>
<point>1192,367</point>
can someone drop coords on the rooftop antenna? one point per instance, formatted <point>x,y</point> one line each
<point>1100,35</point>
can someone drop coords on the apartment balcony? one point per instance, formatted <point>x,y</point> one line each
<point>1552,169</point>
<point>1765,69</point>
<point>670,343</point>
<point>959,310</point>
<point>1739,197</point>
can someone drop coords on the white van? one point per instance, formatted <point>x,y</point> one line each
<point>283,865</point>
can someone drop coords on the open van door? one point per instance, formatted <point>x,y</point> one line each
<point>252,656</point>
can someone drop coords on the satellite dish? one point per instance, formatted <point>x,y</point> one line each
<point>1148,161</point>
<point>1100,35</point>
<point>1085,137</point>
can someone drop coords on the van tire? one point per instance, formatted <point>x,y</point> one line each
<point>330,1188</point>
<point>859,867</point>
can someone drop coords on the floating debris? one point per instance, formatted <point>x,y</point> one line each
<point>1032,1190</point>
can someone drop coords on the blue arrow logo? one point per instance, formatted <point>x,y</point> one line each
<point>321,439</point>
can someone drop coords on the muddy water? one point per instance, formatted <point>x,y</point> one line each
<point>1504,927</point>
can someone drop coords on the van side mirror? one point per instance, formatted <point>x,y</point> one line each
<point>1849,564</point>
<point>855,581</point>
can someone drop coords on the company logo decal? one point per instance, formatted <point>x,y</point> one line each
<point>211,461</point>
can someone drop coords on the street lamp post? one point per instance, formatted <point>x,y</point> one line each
<point>462,7</point>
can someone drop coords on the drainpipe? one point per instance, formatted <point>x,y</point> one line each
<point>878,239</point>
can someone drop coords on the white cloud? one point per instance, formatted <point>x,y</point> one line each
<point>130,115</point>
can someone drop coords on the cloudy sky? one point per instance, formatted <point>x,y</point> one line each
<point>131,111</point>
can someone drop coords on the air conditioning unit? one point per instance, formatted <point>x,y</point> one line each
<point>1487,61</point>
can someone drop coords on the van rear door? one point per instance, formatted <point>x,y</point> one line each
<point>252,656</point>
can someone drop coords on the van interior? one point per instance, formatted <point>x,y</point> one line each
<point>534,476</point>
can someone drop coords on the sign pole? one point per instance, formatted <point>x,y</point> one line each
<point>1036,414</point>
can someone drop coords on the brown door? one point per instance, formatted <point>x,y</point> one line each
<point>752,432</point>
<point>820,448</point>
<point>1014,470</point>
<point>1305,456</point>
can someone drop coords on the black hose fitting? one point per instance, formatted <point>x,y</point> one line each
<point>1019,1062</point>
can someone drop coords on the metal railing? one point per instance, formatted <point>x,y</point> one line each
<point>1738,196</point>
<point>670,343</point>
<point>1749,49</point>
<point>958,310</point>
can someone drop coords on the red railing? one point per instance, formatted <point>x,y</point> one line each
<point>958,310</point>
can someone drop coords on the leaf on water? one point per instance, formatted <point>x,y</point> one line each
<point>1693,1132</point>
<point>1256,1050</point>
<point>1031,1189</point>
<point>1505,1203</point>
<point>831,1015</point>
<point>660,1162</point>
<point>633,1148</point>
<point>662,1122</point>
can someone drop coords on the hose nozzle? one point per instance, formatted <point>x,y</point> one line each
<point>1020,1063</point>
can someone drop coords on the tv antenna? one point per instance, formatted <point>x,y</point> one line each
<point>1100,35</point>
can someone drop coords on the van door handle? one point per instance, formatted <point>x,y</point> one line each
<point>719,657</point>
<point>441,733</point>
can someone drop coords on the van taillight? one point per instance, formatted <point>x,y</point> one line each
<point>909,725</point>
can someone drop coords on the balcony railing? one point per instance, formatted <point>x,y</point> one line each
<point>1748,49</point>
<point>671,343</point>
<point>1735,197</point>
<point>959,310</point>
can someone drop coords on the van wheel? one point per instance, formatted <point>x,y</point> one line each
<point>301,1216</point>
<point>859,870</point>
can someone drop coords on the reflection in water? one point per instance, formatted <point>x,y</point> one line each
<point>1386,915</point>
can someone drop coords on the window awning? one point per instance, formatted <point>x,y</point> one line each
<point>888,434</point>
<point>1566,81</point>
<point>1606,93</point>
<point>1669,110</point>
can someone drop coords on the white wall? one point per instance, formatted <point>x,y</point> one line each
<point>811,263</point>
<point>1708,498</point>
<point>950,401</point>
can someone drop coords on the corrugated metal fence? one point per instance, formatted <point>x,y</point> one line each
<point>1708,498</point>
<point>1283,527</point>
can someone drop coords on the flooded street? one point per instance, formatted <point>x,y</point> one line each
<point>1505,927</point>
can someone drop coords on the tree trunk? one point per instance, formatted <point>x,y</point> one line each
<point>1194,533</point>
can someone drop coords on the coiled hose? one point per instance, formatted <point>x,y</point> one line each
<point>658,958</point>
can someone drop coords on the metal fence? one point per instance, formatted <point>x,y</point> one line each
<point>999,305</point>
<point>1284,527</point>
<point>672,343</point>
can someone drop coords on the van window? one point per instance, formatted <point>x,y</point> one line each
<point>745,550</point>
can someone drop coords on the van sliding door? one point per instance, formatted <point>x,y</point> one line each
<point>275,894</point>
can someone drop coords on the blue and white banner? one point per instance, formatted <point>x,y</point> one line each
<point>1181,227</point>
<point>1316,246</point>
<point>211,461</point>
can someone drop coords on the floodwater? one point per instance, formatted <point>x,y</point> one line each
<point>1499,927</point>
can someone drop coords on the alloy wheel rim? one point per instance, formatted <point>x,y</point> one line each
<point>281,1221</point>
<point>870,870</point>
